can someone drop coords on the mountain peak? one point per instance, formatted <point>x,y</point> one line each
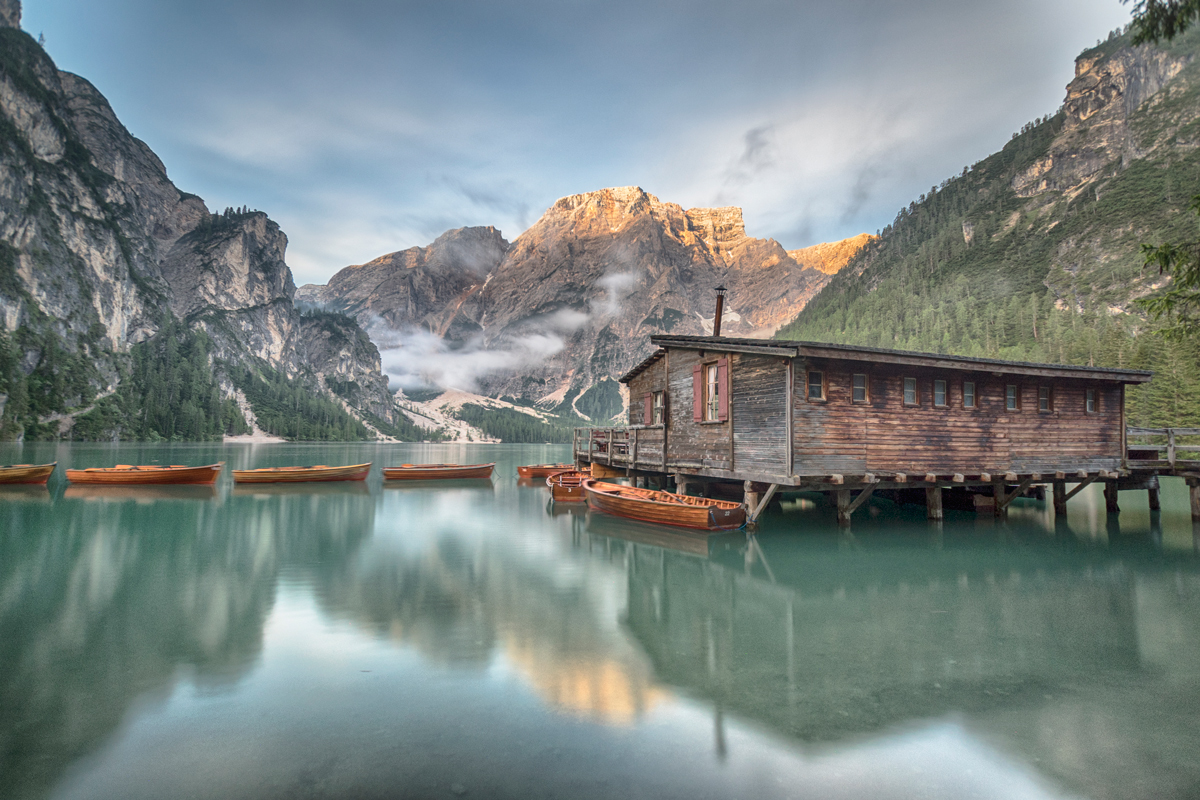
<point>830,257</point>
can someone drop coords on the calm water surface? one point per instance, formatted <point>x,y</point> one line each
<point>466,640</point>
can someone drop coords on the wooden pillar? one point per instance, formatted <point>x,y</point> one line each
<point>1060,498</point>
<point>681,483</point>
<point>933,502</point>
<point>750,496</point>
<point>999,508</point>
<point>843,506</point>
<point>1110,498</point>
<point>1194,493</point>
<point>1153,496</point>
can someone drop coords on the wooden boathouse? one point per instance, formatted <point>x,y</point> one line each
<point>770,415</point>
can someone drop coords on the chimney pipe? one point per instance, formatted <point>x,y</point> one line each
<point>720,310</point>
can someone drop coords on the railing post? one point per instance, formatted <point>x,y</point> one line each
<point>1171,447</point>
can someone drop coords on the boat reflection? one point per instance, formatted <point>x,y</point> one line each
<point>479,484</point>
<point>566,509</point>
<point>697,543</point>
<point>25,494</point>
<point>140,493</point>
<point>316,489</point>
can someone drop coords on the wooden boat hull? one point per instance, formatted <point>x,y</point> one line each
<point>26,473</point>
<point>647,505</point>
<point>320,474</point>
<point>124,476</point>
<point>567,487</point>
<point>426,472</point>
<point>543,470</point>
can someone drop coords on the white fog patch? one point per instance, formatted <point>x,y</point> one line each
<point>418,359</point>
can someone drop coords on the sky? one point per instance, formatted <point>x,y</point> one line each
<point>366,126</point>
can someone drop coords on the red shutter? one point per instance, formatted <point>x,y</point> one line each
<point>697,393</point>
<point>666,406</point>
<point>648,415</point>
<point>723,389</point>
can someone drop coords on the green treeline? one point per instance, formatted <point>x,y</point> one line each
<point>169,393</point>
<point>293,410</point>
<point>972,268</point>
<point>508,425</point>
<point>59,380</point>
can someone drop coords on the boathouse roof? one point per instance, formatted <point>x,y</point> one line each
<point>793,349</point>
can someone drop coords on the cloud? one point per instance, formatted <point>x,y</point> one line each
<point>415,358</point>
<point>506,200</point>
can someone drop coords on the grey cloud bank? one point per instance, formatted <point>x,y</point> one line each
<point>367,127</point>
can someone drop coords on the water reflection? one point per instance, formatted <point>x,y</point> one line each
<point>139,494</point>
<point>520,647</point>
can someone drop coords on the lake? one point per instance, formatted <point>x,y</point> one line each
<point>467,639</point>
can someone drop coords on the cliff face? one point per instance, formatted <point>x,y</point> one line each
<point>97,246</point>
<point>1096,139</point>
<point>830,257</point>
<point>594,277</point>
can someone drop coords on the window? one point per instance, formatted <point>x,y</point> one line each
<point>859,387</point>
<point>1091,401</point>
<point>659,416</point>
<point>712,392</point>
<point>939,393</point>
<point>1045,405</point>
<point>968,394</point>
<point>816,385</point>
<point>911,398</point>
<point>1012,398</point>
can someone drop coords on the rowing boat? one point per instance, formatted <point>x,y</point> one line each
<point>542,470</point>
<point>424,472</point>
<point>127,473</point>
<point>26,473</point>
<point>650,505</point>
<point>567,487</point>
<point>319,473</point>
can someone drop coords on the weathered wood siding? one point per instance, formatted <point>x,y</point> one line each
<point>885,435</point>
<point>690,443</point>
<point>653,379</point>
<point>759,391</point>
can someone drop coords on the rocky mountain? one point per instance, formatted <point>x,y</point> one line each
<point>1034,253</point>
<point>99,251</point>
<point>555,316</point>
<point>830,257</point>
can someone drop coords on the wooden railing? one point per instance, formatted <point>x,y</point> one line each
<point>1161,441</point>
<point>626,446</point>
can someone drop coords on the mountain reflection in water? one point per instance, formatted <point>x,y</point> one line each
<point>374,640</point>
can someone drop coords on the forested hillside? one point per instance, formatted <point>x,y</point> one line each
<point>1034,252</point>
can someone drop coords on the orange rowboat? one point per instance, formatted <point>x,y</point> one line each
<point>26,473</point>
<point>649,505</point>
<point>126,474</point>
<point>543,470</point>
<point>425,472</point>
<point>354,472</point>
<point>567,487</point>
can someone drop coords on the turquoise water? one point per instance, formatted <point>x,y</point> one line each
<point>466,639</point>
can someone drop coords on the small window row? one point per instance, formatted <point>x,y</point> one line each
<point>860,392</point>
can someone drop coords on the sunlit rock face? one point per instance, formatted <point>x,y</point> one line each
<point>830,257</point>
<point>98,246</point>
<point>1096,139</point>
<point>589,282</point>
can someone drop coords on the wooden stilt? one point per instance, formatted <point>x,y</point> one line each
<point>933,503</point>
<point>681,483</point>
<point>843,506</point>
<point>1060,498</point>
<point>1154,498</point>
<point>750,497</point>
<point>999,503</point>
<point>1194,493</point>
<point>1110,498</point>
